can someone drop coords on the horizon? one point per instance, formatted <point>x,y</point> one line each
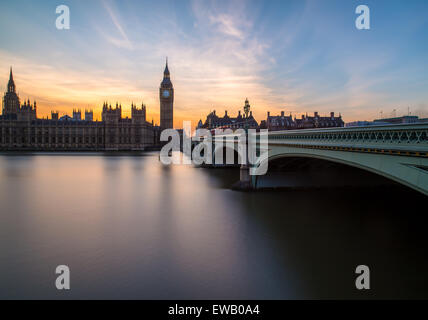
<point>219,53</point>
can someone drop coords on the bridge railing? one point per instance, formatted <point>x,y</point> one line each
<point>412,137</point>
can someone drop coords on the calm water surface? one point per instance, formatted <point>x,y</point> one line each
<point>130,228</point>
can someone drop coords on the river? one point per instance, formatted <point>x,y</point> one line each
<point>130,228</point>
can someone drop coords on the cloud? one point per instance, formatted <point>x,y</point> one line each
<point>226,24</point>
<point>122,42</point>
<point>64,88</point>
<point>221,62</point>
<point>220,52</point>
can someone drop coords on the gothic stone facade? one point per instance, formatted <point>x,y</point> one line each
<point>21,130</point>
<point>166,97</point>
<point>213,121</point>
<point>284,122</point>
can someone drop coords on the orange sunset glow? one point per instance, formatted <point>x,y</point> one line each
<point>218,56</point>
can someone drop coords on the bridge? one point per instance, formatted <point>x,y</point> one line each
<point>396,152</point>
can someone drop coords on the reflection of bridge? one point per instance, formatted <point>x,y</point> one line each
<point>397,152</point>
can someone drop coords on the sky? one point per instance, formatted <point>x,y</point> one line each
<point>293,56</point>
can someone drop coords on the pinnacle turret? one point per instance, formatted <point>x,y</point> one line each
<point>11,84</point>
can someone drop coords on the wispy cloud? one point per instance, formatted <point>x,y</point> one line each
<point>123,41</point>
<point>63,88</point>
<point>299,56</point>
<point>226,24</point>
<point>224,63</point>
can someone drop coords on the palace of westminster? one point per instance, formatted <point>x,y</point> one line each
<point>20,129</point>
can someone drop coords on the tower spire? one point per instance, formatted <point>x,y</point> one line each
<point>166,72</point>
<point>11,84</point>
<point>166,96</point>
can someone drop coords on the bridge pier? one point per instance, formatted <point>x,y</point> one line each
<point>398,152</point>
<point>246,181</point>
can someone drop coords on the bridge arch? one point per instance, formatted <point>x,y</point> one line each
<point>409,171</point>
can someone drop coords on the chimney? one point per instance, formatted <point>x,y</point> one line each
<point>332,114</point>
<point>282,113</point>
<point>251,113</point>
<point>225,113</point>
<point>315,114</point>
<point>268,114</point>
<point>239,113</point>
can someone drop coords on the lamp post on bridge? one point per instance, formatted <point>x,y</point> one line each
<point>245,179</point>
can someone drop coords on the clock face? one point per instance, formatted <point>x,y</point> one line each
<point>165,93</point>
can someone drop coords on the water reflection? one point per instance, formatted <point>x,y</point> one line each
<point>130,227</point>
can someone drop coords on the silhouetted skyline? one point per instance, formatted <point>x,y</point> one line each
<point>299,56</point>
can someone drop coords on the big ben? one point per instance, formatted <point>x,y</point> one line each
<point>166,96</point>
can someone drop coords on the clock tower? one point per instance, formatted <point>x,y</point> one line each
<point>166,96</point>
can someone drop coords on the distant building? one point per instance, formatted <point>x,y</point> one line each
<point>89,115</point>
<point>54,115</point>
<point>11,104</point>
<point>358,124</point>
<point>27,111</point>
<point>284,122</point>
<point>20,129</point>
<point>319,122</point>
<point>281,122</point>
<point>65,117</point>
<point>77,115</point>
<point>12,107</point>
<point>396,120</point>
<point>166,97</point>
<point>387,121</point>
<point>200,124</point>
<point>213,121</point>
